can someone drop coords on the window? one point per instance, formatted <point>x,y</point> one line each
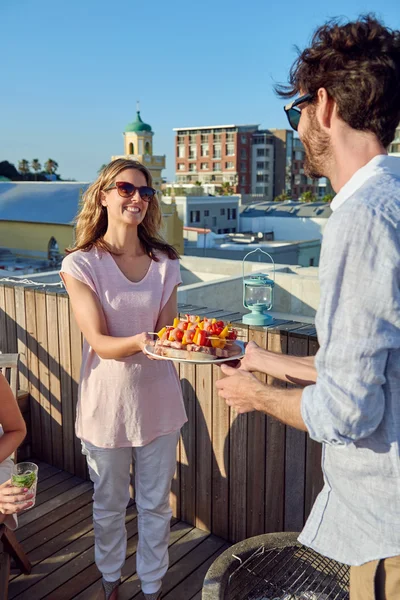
<point>260,151</point>
<point>181,138</point>
<point>219,230</point>
<point>230,150</point>
<point>243,166</point>
<point>204,166</point>
<point>311,262</point>
<point>243,153</point>
<point>195,216</point>
<point>259,190</point>
<point>206,213</point>
<point>192,138</point>
<point>229,165</point>
<point>230,137</point>
<point>181,167</point>
<point>204,138</point>
<point>217,137</point>
<point>260,165</point>
<point>233,213</point>
<point>217,151</point>
<point>181,152</point>
<point>192,167</point>
<point>243,139</point>
<point>205,150</point>
<point>243,179</point>
<point>53,250</point>
<point>298,155</point>
<point>222,212</point>
<point>192,152</point>
<point>260,178</point>
<point>214,221</point>
<point>131,148</point>
<point>216,166</point>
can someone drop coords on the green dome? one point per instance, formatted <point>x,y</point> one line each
<point>138,125</point>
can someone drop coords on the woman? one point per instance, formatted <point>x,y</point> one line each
<point>122,280</point>
<point>12,432</point>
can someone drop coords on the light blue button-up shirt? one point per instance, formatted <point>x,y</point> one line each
<point>354,407</point>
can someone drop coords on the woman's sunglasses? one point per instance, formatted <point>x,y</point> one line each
<point>293,112</point>
<point>128,190</point>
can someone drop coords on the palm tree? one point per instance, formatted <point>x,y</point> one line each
<point>327,198</point>
<point>283,197</point>
<point>36,166</point>
<point>226,189</point>
<point>308,196</point>
<point>23,167</point>
<point>50,166</point>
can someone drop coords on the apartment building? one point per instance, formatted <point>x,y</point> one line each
<point>394,148</point>
<point>215,155</point>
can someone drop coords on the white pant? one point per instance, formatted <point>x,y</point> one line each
<point>109,468</point>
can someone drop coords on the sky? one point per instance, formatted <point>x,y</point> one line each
<point>72,72</point>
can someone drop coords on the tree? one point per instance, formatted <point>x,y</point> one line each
<point>226,189</point>
<point>23,167</point>
<point>308,197</point>
<point>50,166</point>
<point>36,166</point>
<point>327,198</point>
<point>283,197</point>
<point>198,183</point>
<point>9,171</point>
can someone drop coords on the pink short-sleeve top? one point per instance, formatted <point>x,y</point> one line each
<point>129,401</point>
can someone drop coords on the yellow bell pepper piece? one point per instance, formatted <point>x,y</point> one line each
<point>161,332</point>
<point>195,337</point>
<point>217,343</point>
<point>176,322</point>
<point>184,340</point>
<point>201,325</point>
<point>224,332</point>
<point>198,319</point>
<point>213,321</point>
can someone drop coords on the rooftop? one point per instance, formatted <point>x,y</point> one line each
<point>214,127</point>
<point>321,210</point>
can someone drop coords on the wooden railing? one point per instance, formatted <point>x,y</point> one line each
<point>237,475</point>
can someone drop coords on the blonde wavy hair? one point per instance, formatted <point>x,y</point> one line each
<point>92,219</point>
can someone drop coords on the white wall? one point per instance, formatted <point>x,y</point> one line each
<point>286,228</point>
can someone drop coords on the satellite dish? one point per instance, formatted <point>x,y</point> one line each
<point>260,235</point>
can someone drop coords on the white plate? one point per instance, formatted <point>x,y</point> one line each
<point>212,361</point>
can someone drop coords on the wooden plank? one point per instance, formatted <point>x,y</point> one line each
<point>23,401</point>
<point>188,446</point>
<point>220,474</point>
<point>295,455</point>
<point>175,495</point>
<point>54,379</point>
<point>56,490</point>
<point>39,512</point>
<point>314,475</point>
<point>203,446</point>
<point>50,482</point>
<point>22,349</point>
<point>76,359</point>
<point>187,575</point>
<point>275,450</point>
<point>3,319</point>
<point>73,504</point>
<point>33,372</point>
<point>44,379</point>
<point>66,383</point>
<point>11,325</point>
<point>238,470</point>
<point>256,448</point>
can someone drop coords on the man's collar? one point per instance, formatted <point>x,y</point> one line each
<point>377,165</point>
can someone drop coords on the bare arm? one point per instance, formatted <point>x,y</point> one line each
<point>11,420</point>
<point>169,312</point>
<point>92,322</point>
<point>294,369</point>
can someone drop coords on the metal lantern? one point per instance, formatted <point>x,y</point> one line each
<point>258,294</point>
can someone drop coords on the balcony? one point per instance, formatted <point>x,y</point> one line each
<point>237,475</point>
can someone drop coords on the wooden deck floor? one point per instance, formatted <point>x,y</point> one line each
<point>57,535</point>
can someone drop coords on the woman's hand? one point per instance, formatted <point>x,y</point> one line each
<point>142,340</point>
<point>13,499</point>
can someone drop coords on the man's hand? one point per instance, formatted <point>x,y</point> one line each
<point>241,389</point>
<point>249,361</point>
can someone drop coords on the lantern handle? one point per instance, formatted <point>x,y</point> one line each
<point>252,252</point>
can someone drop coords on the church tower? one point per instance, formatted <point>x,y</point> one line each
<point>138,145</point>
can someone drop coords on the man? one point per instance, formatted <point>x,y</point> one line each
<point>348,81</point>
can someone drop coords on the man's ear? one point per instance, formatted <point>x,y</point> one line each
<point>326,107</point>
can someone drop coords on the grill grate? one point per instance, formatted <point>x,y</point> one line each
<point>295,571</point>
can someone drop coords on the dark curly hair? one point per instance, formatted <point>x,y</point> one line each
<point>358,63</point>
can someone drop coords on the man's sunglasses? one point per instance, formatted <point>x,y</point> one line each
<point>128,190</point>
<point>293,112</point>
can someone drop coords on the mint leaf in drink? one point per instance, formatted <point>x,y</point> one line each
<point>25,480</point>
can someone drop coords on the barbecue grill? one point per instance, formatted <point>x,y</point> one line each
<point>275,567</point>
